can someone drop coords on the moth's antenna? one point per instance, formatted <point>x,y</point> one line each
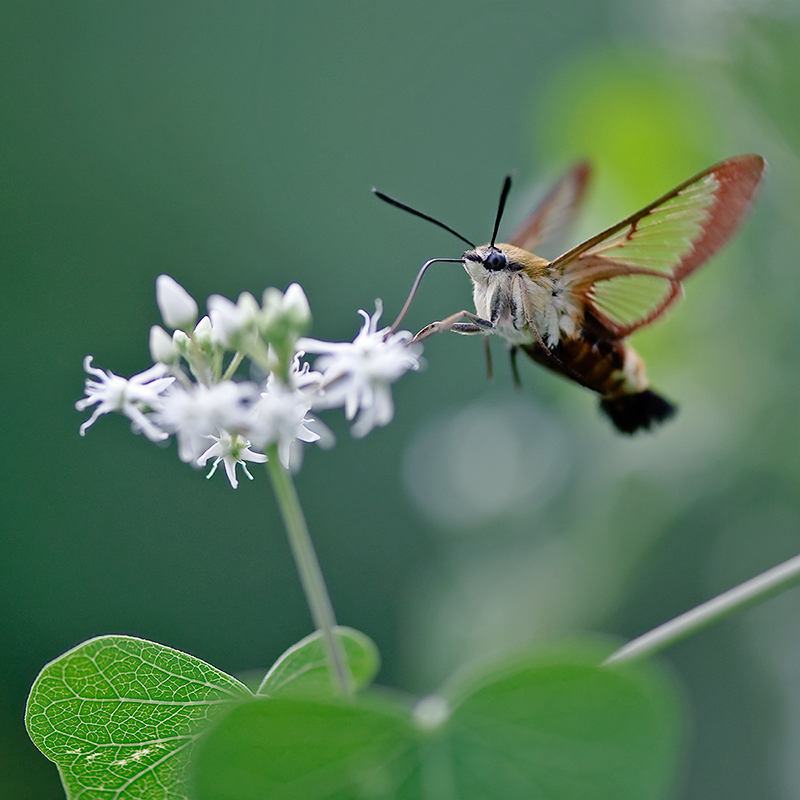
<point>501,207</point>
<point>392,202</point>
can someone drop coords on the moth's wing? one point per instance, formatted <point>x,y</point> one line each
<point>556,212</point>
<point>628,275</point>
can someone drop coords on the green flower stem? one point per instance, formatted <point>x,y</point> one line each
<point>308,566</point>
<point>746,594</point>
<point>233,366</point>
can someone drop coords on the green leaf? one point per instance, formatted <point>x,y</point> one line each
<point>555,727</point>
<point>291,748</point>
<point>120,716</point>
<point>302,671</point>
<point>569,728</point>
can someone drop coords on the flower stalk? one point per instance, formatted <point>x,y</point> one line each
<point>311,578</point>
<point>743,596</point>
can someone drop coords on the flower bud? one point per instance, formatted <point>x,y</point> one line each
<point>181,342</point>
<point>234,324</point>
<point>201,352</point>
<point>204,335</point>
<point>284,317</point>
<point>162,347</point>
<point>296,308</point>
<point>178,308</point>
<point>271,303</point>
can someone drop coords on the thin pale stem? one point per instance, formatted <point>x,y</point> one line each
<point>311,578</point>
<point>233,366</point>
<point>747,594</point>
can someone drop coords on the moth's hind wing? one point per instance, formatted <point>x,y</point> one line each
<point>556,212</point>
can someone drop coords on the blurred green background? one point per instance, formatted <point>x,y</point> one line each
<point>233,145</point>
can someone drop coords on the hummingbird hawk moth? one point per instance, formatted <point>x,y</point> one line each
<point>573,314</point>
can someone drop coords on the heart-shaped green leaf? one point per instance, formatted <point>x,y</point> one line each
<point>302,671</point>
<point>559,728</point>
<point>119,716</point>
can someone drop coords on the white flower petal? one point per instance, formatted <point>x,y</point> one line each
<point>230,471</point>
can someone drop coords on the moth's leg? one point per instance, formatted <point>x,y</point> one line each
<point>474,325</point>
<point>513,350</point>
<point>488,352</point>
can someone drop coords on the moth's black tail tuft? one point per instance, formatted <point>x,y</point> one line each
<point>635,412</point>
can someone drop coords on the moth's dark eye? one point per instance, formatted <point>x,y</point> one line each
<point>495,260</point>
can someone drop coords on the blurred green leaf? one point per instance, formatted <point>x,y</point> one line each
<point>641,118</point>
<point>567,727</point>
<point>293,748</point>
<point>765,66</point>
<point>555,727</point>
<point>302,671</point>
<point>119,716</point>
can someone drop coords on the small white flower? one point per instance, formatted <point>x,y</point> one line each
<point>178,308</point>
<point>230,449</point>
<point>193,414</point>
<point>279,417</point>
<point>358,374</point>
<point>131,396</point>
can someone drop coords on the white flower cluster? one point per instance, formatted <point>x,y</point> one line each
<point>193,394</point>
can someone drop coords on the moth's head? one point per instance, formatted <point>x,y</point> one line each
<point>490,257</point>
<point>494,259</point>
